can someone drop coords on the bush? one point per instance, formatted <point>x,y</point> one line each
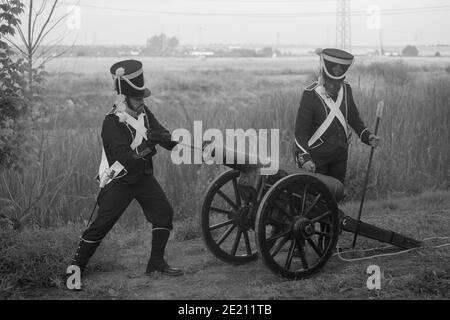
<point>13,103</point>
<point>410,51</point>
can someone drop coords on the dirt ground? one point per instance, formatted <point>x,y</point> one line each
<point>423,273</point>
<point>413,275</point>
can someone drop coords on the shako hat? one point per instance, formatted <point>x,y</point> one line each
<point>128,77</point>
<point>335,62</point>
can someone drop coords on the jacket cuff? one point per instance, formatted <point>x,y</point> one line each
<point>169,145</point>
<point>364,136</point>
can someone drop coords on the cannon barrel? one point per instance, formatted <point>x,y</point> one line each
<point>244,162</point>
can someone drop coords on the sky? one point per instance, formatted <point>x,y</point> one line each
<point>295,22</point>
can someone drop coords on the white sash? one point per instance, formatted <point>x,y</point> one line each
<point>106,173</point>
<point>139,126</point>
<point>335,112</point>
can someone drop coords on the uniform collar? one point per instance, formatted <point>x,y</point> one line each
<point>325,93</point>
<point>134,114</point>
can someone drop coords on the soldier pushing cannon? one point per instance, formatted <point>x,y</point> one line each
<point>130,133</point>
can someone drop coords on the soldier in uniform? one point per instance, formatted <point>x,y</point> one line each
<point>326,109</point>
<point>129,135</point>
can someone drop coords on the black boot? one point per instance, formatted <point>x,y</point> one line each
<point>84,252</point>
<point>156,263</point>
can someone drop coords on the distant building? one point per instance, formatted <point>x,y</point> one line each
<point>201,53</point>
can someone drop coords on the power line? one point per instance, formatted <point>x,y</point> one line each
<point>261,2</point>
<point>399,11</point>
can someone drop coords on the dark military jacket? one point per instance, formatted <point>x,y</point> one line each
<point>312,113</point>
<point>117,137</point>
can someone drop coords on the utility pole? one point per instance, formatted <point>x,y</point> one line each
<point>381,42</point>
<point>343,25</point>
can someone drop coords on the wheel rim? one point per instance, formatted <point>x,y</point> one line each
<point>297,226</point>
<point>227,220</point>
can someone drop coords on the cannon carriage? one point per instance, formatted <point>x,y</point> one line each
<point>290,219</point>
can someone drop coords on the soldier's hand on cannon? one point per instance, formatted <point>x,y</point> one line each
<point>309,166</point>
<point>374,140</point>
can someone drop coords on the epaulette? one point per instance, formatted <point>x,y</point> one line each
<point>312,86</point>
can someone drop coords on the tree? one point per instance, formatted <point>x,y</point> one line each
<point>410,51</point>
<point>173,42</point>
<point>39,25</point>
<point>13,104</point>
<point>161,45</point>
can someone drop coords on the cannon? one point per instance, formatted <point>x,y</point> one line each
<point>290,219</point>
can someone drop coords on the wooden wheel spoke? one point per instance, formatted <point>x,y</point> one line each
<point>290,202</point>
<point>236,192</point>
<point>236,242</point>
<point>324,234</point>
<point>220,225</point>
<point>321,217</point>
<point>227,199</point>
<point>288,262</point>
<point>313,204</point>
<point>247,243</point>
<point>277,223</point>
<point>282,210</point>
<point>315,247</point>
<point>278,246</point>
<point>278,236</point>
<point>225,235</point>
<point>304,201</point>
<point>219,210</point>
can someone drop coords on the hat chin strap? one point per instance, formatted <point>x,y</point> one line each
<point>121,77</point>
<point>130,83</point>
<point>328,74</point>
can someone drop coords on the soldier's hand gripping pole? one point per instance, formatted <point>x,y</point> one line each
<point>366,180</point>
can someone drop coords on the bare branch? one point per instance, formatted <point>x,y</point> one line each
<point>22,36</point>
<point>36,16</point>
<point>49,47</point>
<point>50,58</point>
<point>16,46</point>
<point>30,15</point>
<point>38,39</point>
<point>50,29</point>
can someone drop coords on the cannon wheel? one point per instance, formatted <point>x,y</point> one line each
<point>226,221</point>
<point>297,226</point>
